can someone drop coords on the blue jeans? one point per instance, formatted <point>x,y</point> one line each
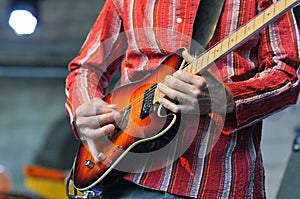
<point>128,190</point>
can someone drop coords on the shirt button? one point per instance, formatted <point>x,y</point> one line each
<point>179,20</point>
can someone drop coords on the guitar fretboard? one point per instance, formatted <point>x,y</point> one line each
<point>230,43</point>
<point>236,39</point>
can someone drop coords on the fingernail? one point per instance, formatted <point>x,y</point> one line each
<point>111,128</point>
<point>159,100</point>
<point>114,106</point>
<point>159,85</point>
<point>117,115</point>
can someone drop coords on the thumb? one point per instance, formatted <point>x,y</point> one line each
<point>187,56</point>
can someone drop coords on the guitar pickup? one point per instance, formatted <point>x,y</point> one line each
<point>147,105</point>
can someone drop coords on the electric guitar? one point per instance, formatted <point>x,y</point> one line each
<point>139,100</point>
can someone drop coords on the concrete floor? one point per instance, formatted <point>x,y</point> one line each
<point>31,106</point>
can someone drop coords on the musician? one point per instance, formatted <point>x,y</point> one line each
<point>259,78</point>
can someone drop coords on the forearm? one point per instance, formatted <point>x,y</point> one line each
<point>99,58</point>
<point>276,84</point>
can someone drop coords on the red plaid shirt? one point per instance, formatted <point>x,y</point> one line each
<point>262,75</point>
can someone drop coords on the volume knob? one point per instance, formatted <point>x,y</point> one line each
<point>89,164</point>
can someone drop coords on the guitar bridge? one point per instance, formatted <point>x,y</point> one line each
<point>122,124</point>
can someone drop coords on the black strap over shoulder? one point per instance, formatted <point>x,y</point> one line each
<point>206,21</point>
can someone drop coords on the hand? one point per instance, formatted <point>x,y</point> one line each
<point>94,119</point>
<point>190,93</point>
<point>183,91</point>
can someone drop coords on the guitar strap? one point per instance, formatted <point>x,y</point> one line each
<point>206,21</point>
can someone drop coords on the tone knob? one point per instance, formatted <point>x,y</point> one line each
<point>101,157</point>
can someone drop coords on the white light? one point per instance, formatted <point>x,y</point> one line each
<point>22,21</point>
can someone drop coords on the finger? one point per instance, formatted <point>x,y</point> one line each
<point>178,108</point>
<point>169,105</point>
<point>94,122</point>
<point>202,108</point>
<point>196,80</point>
<point>169,92</point>
<point>92,109</point>
<point>178,96</point>
<point>99,132</point>
<point>187,56</point>
<point>182,87</point>
<point>99,102</point>
<point>98,109</point>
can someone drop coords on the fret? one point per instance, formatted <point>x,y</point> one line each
<point>248,27</point>
<point>284,3</point>
<point>208,59</point>
<point>204,59</point>
<point>194,68</point>
<point>221,48</point>
<point>200,59</point>
<point>218,50</point>
<point>189,68</point>
<point>215,49</point>
<point>231,42</point>
<point>236,37</point>
<point>197,64</point>
<point>245,31</point>
<point>224,46</point>
<point>267,15</point>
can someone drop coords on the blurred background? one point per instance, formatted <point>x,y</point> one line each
<point>34,129</point>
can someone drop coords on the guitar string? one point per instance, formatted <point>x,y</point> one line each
<point>141,98</point>
<point>149,92</point>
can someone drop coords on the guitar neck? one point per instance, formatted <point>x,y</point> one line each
<point>233,41</point>
<point>236,39</point>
